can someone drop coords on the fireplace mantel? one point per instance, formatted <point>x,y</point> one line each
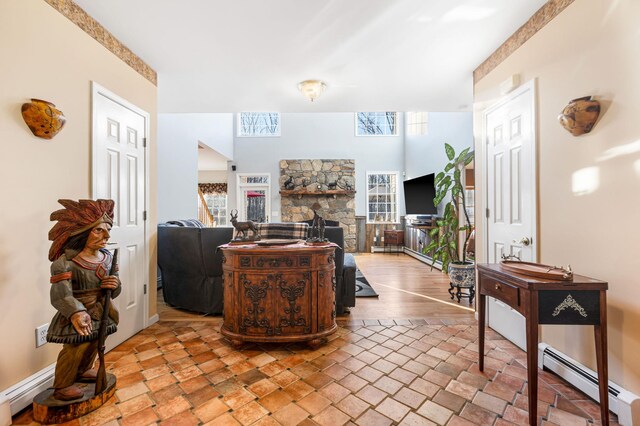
<point>329,192</point>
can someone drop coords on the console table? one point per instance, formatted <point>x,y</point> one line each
<point>581,301</point>
<point>279,293</point>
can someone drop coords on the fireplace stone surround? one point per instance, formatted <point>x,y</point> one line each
<point>310,182</point>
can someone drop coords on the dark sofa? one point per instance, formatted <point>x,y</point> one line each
<point>191,267</point>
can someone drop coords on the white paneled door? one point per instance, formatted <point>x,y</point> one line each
<point>119,173</point>
<point>511,194</point>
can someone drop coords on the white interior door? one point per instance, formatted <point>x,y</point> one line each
<point>254,197</point>
<point>511,195</point>
<point>119,173</point>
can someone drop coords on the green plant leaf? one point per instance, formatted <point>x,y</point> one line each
<point>439,197</point>
<point>462,155</point>
<point>451,153</point>
<point>439,177</point>
<point>469,158</point>
<point>449,167</point>
<point>431,247</point>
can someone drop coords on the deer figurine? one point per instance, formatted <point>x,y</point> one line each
<point>243,227</point>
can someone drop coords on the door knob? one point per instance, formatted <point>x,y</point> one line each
<point>525,241</point>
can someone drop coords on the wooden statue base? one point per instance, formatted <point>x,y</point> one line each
<point>48,410</point>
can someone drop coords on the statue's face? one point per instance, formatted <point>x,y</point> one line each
<point>98,237</point>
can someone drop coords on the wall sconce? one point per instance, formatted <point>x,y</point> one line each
<point>311,89</point>
<point>580,115</point>
<point>43,118</point>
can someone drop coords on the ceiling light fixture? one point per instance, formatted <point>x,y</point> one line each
<point>311,89</point>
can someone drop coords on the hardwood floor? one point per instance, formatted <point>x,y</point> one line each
<point>407,289</point>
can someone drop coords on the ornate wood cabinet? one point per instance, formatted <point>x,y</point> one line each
<point>279,293</point>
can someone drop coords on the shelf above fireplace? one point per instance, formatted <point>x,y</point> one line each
<point>328,193</point>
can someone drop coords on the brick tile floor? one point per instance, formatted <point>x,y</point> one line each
<point>409,372</point>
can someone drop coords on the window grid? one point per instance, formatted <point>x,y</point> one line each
<point>417,123</point>
<point>382,196</point>
<point>376,123</point>
<point>258,124</point>
<point>217,204</point>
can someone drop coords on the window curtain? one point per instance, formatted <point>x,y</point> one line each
<point>213,188</point>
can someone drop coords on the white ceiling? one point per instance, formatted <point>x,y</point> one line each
<point>375,55</point>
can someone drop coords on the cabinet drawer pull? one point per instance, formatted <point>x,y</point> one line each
<point>498,286</point>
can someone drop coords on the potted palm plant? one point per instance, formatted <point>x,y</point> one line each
<point>445,237</point>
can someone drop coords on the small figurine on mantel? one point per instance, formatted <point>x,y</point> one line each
<point>84,277</point>
<point>288,184</point>
<point>316,233</point>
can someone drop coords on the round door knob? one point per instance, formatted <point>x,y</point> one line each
<point>525,241</point>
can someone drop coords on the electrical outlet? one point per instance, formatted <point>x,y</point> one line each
<point>41,334</point>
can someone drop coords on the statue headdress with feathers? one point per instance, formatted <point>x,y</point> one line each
<point>75,218</point>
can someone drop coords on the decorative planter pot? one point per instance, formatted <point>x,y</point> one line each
<point>43,118</point>
<point>462,274</point>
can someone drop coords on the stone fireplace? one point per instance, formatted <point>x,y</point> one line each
<point>330,183</point>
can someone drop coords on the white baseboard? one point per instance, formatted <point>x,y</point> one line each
<point>21,394</point>
<point>5,411</point>
<point>154,319</point>
<point>621,401</point>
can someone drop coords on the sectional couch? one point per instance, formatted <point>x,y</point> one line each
<point>191,267</point>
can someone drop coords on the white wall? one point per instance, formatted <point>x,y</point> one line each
<point>318,136</point>
<point>425,154</point>
<point>178,137</point>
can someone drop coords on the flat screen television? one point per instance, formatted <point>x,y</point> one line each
<point>419,194</point>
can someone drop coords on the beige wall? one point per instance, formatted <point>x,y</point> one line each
<point>591,48</point>
<point>46,56</point>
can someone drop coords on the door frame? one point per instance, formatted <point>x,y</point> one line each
<point>239,198</point>
<point>532,87</point>
<point>99,90</point>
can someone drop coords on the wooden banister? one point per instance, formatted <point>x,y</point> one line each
<point>204,215</point>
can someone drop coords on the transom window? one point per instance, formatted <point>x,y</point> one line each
<point>259,179</point>
<point>382,197</point>
<point>258,124</point>
<point>417,123</point>
<point>376,123</point>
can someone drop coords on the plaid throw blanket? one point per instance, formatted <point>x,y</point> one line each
<point>191,223</point>
<point>285,231</point>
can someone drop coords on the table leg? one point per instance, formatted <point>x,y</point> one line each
<point>481,317</point>
<point>532,360</point>
<point>600,332</point>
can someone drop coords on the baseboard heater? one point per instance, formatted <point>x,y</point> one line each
<point>388,249</point>
<point>621,401</point>
<point>21,394</point>
<point>422,258</point>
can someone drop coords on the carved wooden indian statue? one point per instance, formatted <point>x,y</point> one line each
<point>82,272</point>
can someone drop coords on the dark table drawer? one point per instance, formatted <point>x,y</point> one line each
<point>505,292</point>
